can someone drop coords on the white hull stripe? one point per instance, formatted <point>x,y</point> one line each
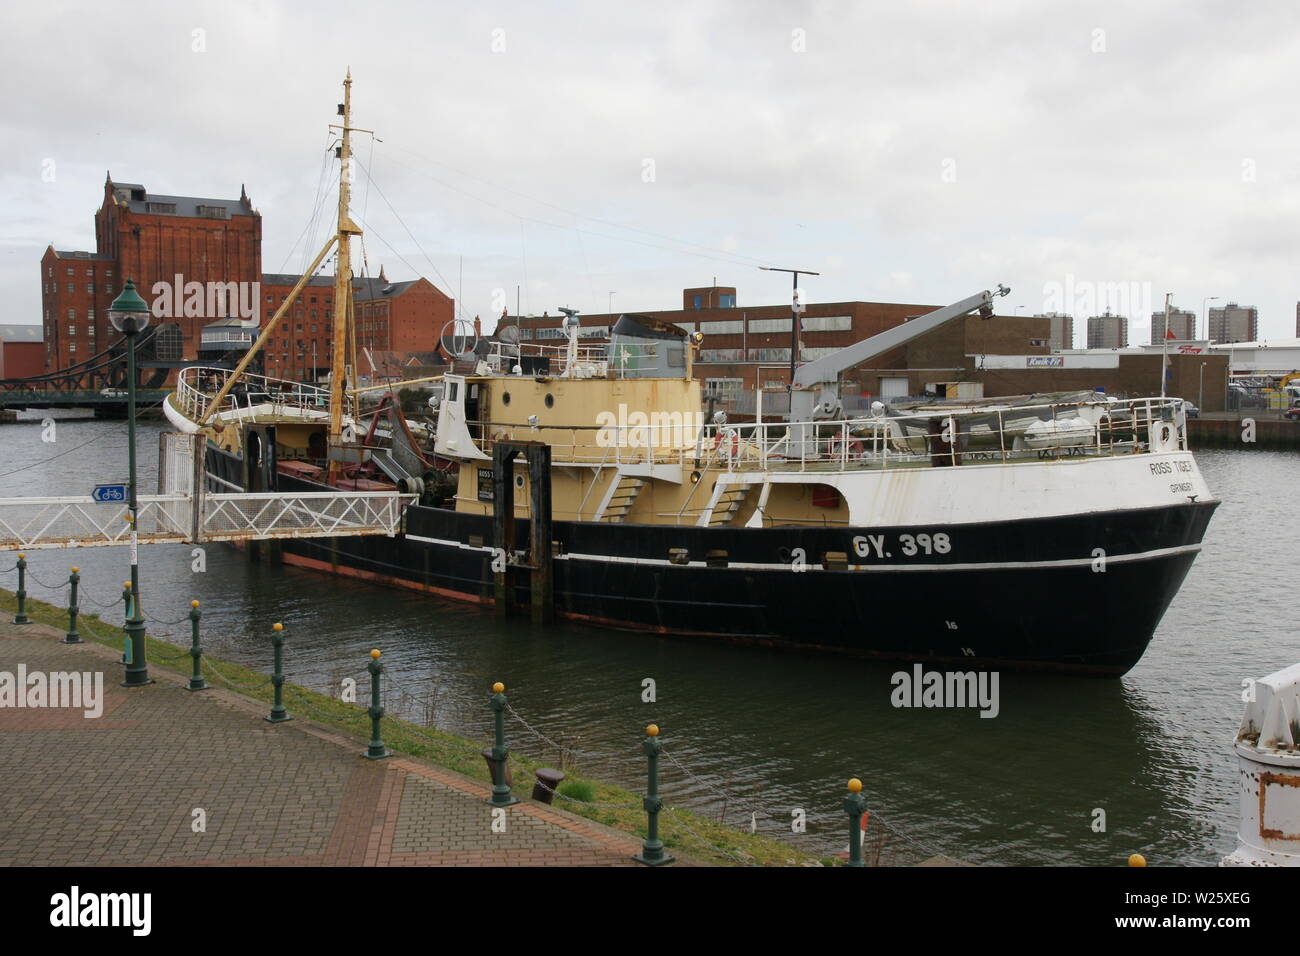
<point>779,566</point>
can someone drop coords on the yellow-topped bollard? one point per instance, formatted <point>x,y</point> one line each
<point>196,650</point>
<point>652,848</point>
<point>74,579</point>
<point>278,712</point>
<point>376,750</point>
<point>126,585</point>
<point>1137,859</point>
<point>498,755</point>
<point>855,804</point>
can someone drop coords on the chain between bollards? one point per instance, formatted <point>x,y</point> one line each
<point>196,652</point>
<point>376,750</point>
<point>278,713</point>
<point>855,804</point>
<point>501,795</point>
<point>652,850</point>
<point>72,637</point>
<point>21,616</point>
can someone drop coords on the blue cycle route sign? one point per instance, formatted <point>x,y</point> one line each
<point>109,493</point>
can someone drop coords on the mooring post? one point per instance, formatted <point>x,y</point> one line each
<point>855,804</point>
<point>278,713</point>
<point>501,795</point>
<point>196,652</point>
<point>542,596</point>
<point>652,850</point>
<point>503,525</point>
<point>72,636</point>
<point>21,616</point>
<point>376,750</point>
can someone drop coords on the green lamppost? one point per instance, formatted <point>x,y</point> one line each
<point>130,315</point>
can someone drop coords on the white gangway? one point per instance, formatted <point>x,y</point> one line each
<point>185,511</point>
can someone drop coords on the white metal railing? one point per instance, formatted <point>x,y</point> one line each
<point>589,361</point>
<point>309,515</point>
<point>30,523</point>
<point>932,437</point>
<point>198,385</point>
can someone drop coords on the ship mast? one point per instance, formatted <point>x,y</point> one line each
<point>340,371</point>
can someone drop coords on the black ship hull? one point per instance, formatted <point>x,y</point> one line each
<point>1078,594</point>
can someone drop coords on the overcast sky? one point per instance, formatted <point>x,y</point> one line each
<point>912,152</point>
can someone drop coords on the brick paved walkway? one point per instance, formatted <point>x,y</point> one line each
<point>122,788</point>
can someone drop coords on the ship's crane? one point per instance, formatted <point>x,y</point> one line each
<point>815,396</point>
<point>816,385</point>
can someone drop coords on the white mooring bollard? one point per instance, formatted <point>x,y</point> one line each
<point>1268,757</point>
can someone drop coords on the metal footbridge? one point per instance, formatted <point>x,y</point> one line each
<point>186,511</point>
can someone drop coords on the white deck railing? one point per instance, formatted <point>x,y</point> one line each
<point>198,385</point>
<point>932,437</point>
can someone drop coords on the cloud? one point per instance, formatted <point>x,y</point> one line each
<point>955,145</point>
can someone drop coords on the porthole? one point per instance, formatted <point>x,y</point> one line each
<point>519,481</point>
<point>550,400</point>
<point>505,398</point>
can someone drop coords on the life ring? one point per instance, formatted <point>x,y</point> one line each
<point>735,443</point>
<point>1162,436</point>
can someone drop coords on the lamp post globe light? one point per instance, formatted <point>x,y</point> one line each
<point>129,315</point>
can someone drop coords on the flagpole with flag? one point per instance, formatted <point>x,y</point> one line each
<point>1164,348</point>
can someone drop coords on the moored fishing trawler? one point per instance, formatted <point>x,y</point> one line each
<point>965,532</point>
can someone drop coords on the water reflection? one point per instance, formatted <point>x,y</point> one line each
<point>772,731</point>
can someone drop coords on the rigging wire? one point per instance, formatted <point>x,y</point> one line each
<point>438,272</point>
<point>316,205</point>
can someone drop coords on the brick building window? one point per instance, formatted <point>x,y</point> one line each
<point>90,287</point>
<point>71,288</point>
<point>72,315</point>
<point>72,330</point>
<point>72,347</point>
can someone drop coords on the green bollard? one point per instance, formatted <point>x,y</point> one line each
<point>652,850</point>
<point>855,804</point>
<point>21,616</point>
<point>196,653</point>
<point>72,636</point>
<point>278,713</point>
<point>501,795</point>
<point>376,750</point>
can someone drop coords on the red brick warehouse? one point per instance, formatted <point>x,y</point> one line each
<point>150,238</point>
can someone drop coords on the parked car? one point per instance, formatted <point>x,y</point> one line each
<point>1293,414</point>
